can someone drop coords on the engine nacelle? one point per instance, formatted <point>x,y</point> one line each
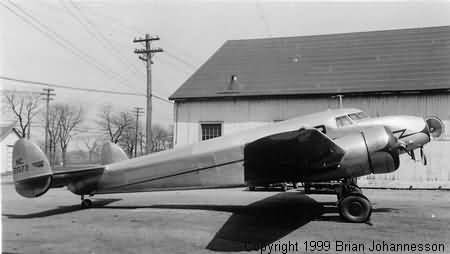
<point>371,150</point>
<point>32,174</point>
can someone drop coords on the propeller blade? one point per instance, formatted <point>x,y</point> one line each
<point>423,157</point>
<point>413,155</point>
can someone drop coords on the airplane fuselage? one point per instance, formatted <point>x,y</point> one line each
<point>219,162</point>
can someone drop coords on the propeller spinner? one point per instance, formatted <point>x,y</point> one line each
<point>435,126</point>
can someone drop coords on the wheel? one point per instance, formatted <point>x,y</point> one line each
<point>251,188</point>
<point>355,208</point>
<point>86,203</point>
<point>284,187</point>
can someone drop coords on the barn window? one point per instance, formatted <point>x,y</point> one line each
<point>211,130</point>
<point>343,121</point>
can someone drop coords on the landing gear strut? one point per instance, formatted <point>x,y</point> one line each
<point>85,203</point>
<point>352,204</point>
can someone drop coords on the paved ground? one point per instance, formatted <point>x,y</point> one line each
<point>205,221</point>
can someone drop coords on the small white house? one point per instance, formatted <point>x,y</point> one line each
<point>8,136</point>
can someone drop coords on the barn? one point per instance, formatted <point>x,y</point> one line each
<point>253,82</point>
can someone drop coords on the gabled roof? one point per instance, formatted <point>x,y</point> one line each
<point>6,129</point>
<point>380,61</point>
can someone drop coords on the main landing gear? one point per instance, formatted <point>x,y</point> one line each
<point>352,204</point>
<point>85,203</point>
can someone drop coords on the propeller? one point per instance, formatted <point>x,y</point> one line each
<point>435,126</point>
<point>412,154</point>
<point>423,157</point>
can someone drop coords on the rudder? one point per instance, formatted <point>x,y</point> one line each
<point>112,153</point>
<point>32,173</point>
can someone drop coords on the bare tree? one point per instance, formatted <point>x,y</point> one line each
<point>141,138</point>
<point>92,144</point>
<point>69,118</point>
<point>128,140</point>
<point>114,124</point>
<point>53,132</point>
<point>162,138</point>
<point>24,107</point>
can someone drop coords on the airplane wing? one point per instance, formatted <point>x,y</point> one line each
<point>289,156</point>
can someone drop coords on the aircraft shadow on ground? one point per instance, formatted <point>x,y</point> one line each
<point>249,227</point>
<point>62,209</point>
<point>263,222</point>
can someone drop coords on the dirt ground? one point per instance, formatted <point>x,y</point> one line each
<point>224,220</point>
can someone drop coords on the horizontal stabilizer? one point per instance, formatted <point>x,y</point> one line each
<point>33,175</point>
<point>66,177</point>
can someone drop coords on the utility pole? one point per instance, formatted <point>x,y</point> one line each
<point>146,56</point>
<point>48,93</point>
<point>138,112</point>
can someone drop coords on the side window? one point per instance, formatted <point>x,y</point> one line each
<point>358,116</point>
<point>343,121</point>
<point>211,130</point>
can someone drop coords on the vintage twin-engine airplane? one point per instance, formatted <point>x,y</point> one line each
<point>336,144</point>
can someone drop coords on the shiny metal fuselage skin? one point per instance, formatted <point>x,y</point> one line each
<point>219,162</point>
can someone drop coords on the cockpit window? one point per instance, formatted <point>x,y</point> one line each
<point>343,121</point>
<point>358,116</point>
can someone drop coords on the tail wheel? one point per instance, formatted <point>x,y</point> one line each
<point>355,208</point>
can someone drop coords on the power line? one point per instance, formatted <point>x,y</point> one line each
<point>92,29</point>
<point>63,42</point>
<point>172,66</point>
<point>181,60</point>
<point>133,29</point>
<point>82,89</point>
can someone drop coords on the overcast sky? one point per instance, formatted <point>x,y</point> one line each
<point>95,48</point>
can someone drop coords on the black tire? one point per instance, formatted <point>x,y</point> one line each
<point>86,203</point>
<point>251,188</point>
<point>355,208</point>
